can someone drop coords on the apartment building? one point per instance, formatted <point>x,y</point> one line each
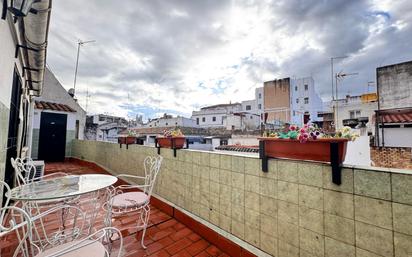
<point>306,104</point>
<point>276,100</point>
<point>220,116</point>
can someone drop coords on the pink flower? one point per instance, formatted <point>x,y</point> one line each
<point>302,130</point>
<point>293,128</point>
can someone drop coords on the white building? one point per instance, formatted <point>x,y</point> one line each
<point>103,127</point>
<point>351,108</point>
<point>100,119</point>
<point>226,116</point>
<point>53,107</point>
<point>168,121</point>
<point>21,76</point>
<point>250,114</point>
<point>260,104</point>
<point>305,102</point>
<point>109,132</point>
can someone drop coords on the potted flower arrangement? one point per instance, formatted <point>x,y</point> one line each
<point>128,139</point>
<point>173,138</point>
<point>306,143</point>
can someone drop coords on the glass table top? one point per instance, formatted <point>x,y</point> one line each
<point>61,187</point>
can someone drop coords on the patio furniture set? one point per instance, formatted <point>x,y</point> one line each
<point>74,201</point>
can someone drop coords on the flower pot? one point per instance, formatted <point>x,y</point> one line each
<point>312,150</point>
<point>129,140</point>
<point>167,142</point>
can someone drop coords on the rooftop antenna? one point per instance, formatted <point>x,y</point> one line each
<point>87,99</point>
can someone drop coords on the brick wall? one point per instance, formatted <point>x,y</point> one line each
<point>392,157</point>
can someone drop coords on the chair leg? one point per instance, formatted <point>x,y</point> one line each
<point>146,222</point>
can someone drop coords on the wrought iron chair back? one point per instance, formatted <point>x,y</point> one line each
<point>152,166</point>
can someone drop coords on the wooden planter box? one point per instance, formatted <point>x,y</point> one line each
<point>167,142</point>
<point>129,140</point>
<point>312,150</point>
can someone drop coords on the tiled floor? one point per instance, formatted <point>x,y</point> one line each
<point>165,236</point>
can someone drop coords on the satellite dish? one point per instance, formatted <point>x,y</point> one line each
<point>71,92</point>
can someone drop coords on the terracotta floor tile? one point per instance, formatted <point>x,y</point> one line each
<point>181,234</point>
<point>213,250</point>
<point>197,247</point>
<point>161,253</point>
<point>164,237</point>
<point>178,246</point>
<point>182,253</point>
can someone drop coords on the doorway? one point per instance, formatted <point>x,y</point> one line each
<point>52,138</point>
<point>14,122</point>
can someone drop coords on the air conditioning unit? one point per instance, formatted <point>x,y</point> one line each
<point>39,166</point>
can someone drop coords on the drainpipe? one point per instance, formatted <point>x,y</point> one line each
<point>34,29</point>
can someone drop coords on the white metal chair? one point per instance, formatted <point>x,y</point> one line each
<point>68,243</point>
<point>25,171</point>
<point>126,199</point>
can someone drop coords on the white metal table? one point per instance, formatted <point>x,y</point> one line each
<point>58,189</point>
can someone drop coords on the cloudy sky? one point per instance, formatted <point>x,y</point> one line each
<point>175,56</point>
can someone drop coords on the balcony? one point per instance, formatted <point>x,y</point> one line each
<point>216,204</point>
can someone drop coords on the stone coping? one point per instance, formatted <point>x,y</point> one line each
<point>256,156</point>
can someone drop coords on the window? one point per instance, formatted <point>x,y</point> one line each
<point>354,114</point>
<point>259,106</point>
<point>306,100</point>
<point>248,107</point>
<point>77,129</point>
<point>213,118</point>
<point>251,117</point>
<point>203,119</point>
<point>197,121</point>
<point>297,100</point>
<point>175,123</point>
<point>296,88</point>
<point>260,96</point>
<point>167,123</point>
<point>306,87</point>
<point>294,114</point>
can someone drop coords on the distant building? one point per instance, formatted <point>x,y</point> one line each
<point>260,104</point>
<point>168,121</point>
<point>306,105</point>
<point>394,85</point>
<point>353,110</point>
<point>103,127</point>
<point>227,116</point>
<point>57,120</point>
<point>394,112</point>
<point>250,114</point>
<point>277,101</point>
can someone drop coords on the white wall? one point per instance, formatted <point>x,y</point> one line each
<point>298,109</point>
<point>358,152</point>
<point>367,110</point>
<point>71,119</point>
<point>53,91</point>
<point>172,122</point>
<point>396,137</point>
<point>243,140</point>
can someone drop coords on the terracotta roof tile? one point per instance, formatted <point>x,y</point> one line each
<point>43,105</point>
<point>396,116</point>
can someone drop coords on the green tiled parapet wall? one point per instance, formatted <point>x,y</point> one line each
<point>292,210</point>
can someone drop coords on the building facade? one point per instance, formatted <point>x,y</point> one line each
<point>394,85</point>
<point>21,77</point>
<point>250,114</point>
<point>56,100</point>
<point>306,104</point>
<point>354,109</point>
<point>260,103</point>
<point>276,99</point>
<point>394,114</point>
<point>220,116</point>
<point>168,121</point>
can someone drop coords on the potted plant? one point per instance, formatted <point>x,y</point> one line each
<point>127,139</point>
<point>171,139</point>
<point>306,143</point>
